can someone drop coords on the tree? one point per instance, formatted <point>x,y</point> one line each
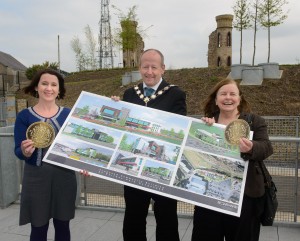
<point>79,54</point>
<point>31,71</point>
<point>129,36</point>
<point>254,18</point>
<point>85,58</point>
<point>91,47</point>
<point>125,34</point>
<point>271,15</point>
<point>242,20</point>
<point>84,110</point>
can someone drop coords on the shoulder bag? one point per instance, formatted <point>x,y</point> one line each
<point>270,204</point>
<point>270,201</point>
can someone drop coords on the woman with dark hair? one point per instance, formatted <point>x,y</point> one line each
<point>48,191</point>
<point>225,104</point>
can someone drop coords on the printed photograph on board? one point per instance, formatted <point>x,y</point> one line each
<point>168,154</point>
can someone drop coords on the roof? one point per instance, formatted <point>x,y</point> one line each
<point>9,61</point>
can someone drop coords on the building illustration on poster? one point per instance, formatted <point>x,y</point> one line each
<point>168,154</point>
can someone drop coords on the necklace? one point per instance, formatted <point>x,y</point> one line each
<point>146,99</point>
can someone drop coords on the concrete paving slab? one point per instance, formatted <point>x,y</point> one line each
<point>100,225</point>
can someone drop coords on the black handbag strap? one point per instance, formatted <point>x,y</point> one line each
<point>267,182</point>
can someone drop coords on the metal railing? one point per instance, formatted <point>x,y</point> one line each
<point>283,166</point>
<point>3,112</point>
<point>11,82</point>
<point>285,173</point>
<point>101,193</point>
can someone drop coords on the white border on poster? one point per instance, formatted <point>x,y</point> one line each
<point>187,168</point>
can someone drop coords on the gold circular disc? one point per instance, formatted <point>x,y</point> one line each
<point>235,130</point>
<point>41,133</point>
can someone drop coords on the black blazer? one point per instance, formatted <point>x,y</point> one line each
<point>262,149</point>
<point>172,100</point>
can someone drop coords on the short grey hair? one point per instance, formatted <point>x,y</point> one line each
<point>155,50</point>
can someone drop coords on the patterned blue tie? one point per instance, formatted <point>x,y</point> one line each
<point>148,91</point>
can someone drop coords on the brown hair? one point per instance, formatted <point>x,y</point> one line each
<point>210,107</point>
<point>30,89</point>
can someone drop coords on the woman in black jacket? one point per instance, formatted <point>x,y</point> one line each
<point>224,105</point>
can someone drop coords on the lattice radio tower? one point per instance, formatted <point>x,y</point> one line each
<point>105,38</point>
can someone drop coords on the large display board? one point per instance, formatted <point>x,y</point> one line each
<point>172,155</point>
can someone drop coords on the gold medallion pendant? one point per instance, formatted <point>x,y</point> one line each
<point>235,130</point>
<point>41,133</point>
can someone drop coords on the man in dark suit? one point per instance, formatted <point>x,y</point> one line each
<point>164,97</point>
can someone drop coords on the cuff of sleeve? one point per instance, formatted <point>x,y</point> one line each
<point>246,156</point>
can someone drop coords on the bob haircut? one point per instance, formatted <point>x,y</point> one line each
<point>30,89</point>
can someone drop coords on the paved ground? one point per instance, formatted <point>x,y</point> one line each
<point>106,225</point>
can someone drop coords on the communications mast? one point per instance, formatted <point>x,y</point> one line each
<point>105,38</point>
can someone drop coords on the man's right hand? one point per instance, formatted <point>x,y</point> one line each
<point>115,98</point>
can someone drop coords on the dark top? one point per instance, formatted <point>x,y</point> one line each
<point>173,100</point>
<point>262,149</point>
<point>27,117</point>
<point>48,191</point>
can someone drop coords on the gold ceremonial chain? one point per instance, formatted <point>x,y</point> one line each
<point>146,99</point>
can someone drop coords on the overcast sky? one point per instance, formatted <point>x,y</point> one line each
<point>180,29</point>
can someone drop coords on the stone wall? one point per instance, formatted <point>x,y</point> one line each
<point>212,56</point>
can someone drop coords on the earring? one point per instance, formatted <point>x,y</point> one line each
<point>36,94</point>
<point>58,97</point>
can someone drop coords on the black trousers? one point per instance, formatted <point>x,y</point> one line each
<point>215,226</point>
<point>136,211</point>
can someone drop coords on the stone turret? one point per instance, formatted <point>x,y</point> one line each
<point>220,42</point>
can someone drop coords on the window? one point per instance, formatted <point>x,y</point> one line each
<point>228,61</point>
<point>219,40</point>
<point>228,39</point>
<point>108,112</point>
